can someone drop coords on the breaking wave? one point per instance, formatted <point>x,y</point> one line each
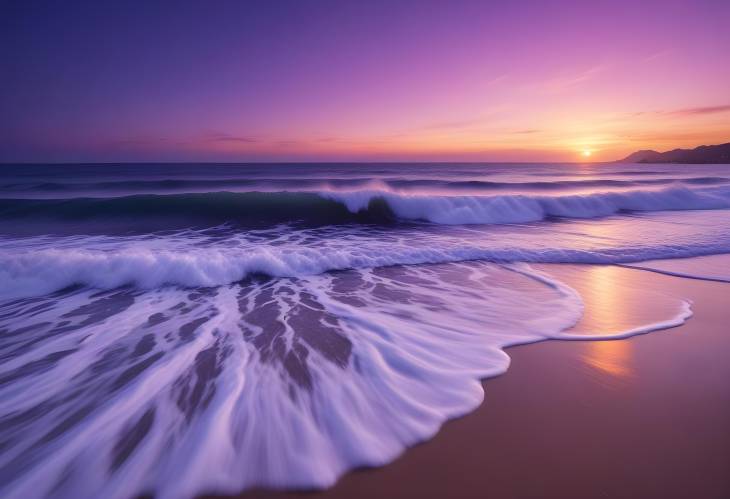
<point>329,207</point>
<point>32,272</point>
<point>521,208</point>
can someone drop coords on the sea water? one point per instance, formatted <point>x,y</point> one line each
<point>179,329</point>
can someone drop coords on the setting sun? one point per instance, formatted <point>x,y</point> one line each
<point>586,153</point>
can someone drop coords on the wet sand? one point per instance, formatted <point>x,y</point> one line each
<point>639,418</point>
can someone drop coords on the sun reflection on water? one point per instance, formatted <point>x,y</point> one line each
<point>607,306</point>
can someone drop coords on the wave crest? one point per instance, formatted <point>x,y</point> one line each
<point>521,208</point>
<point>360,206</point>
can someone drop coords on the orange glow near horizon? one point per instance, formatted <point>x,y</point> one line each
<point>598,136</point>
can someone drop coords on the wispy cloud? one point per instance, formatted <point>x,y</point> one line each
<point>692,111</point>
<point>682,112</point>
<point>227,137</point>
<point>656,55</point>
<point>452,125</point>
<point>210,138</point>
<point>568,82</point>
<point>677,138</point>
<point>498,79</point>
<point>140,141</point>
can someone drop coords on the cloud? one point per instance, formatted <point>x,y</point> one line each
<point>656,55</point>
<point>679,138</point>
<point>498,79</point>
<point>452,125</point>
<point>562,83</point>
<point>669,113</point>
<point>141,141</point>
<point>693,111</point>
<point>152,142</point>
<point>227,137</point>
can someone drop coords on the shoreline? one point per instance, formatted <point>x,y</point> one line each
<point>636,417</point>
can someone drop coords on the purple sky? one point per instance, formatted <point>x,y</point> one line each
<point>365,80</point>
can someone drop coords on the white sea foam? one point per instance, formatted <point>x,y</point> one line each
<point>283,383</point>
<point>710,268</point>
<point>36,266</point>
<point>50,270</point>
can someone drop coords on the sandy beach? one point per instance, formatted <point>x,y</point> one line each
<point>647,417</point>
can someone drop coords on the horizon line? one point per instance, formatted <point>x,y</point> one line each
<point>60,163</point>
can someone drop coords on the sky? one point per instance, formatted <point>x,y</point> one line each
<point>313,80</point>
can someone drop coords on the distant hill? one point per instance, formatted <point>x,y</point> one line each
<point>703,154</point>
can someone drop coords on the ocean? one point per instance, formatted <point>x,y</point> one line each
<point>187,328</point>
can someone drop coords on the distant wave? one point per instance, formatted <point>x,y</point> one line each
<point>180,210</point>
<point>364,206</point>
<point>181,186</point>
<point>555,185</point>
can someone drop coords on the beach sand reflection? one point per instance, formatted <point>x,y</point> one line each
<point>615,301</point>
